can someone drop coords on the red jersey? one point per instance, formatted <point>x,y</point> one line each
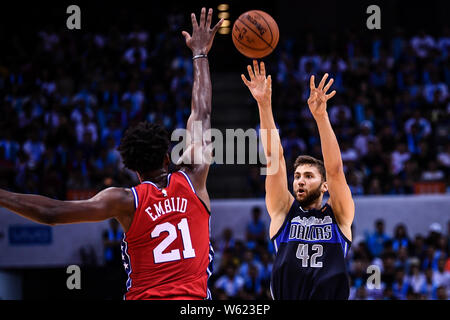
<point>167,252</point>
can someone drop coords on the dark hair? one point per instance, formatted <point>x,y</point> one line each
<point>144,146</point>
<point>311,161</point>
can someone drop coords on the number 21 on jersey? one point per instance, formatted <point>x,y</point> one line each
<point>158,253</point>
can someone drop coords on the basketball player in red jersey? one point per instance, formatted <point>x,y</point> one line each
<point>166,248</point>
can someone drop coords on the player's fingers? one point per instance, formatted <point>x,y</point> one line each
<point>250,73</point>
<point>262,69</point>
<point>217,26</point>
<point>256,67</point>
<point>247,83</point>
<point>312,85</point>
<point>209,18</point>
<point>269,81</point>
<point>186,35</point>
<point>194,21</point>
<point>331,95</point>
<point>322,82</point>
<point>328,85</point>
<point>202,17</point>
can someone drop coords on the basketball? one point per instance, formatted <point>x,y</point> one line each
<point>255,34</point>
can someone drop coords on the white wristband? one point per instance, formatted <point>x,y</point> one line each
<point>200,56</point>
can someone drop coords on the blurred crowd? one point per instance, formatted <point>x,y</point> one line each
<point>409,268</point>
<point>391,113</point>
<point>68,97</point>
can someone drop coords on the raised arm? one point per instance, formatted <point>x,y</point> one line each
<point>200,119</point>
<point>110,203</point>
<point>278,197</point>
<point>340,195</point>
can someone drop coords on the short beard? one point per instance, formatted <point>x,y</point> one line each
<point>312,196</point>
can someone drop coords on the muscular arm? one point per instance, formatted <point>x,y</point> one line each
<point>340,195</point>
<point>109,203</point>
<point>199,122</point>
<point>200,119</point>
<point>278,197</point>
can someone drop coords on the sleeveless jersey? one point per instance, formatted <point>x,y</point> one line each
<point>310,257</point>
<point>167,252</point>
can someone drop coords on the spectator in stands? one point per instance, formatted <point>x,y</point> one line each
<point>435,232</point>
<point>422,44</point>
<point>428,290</point>
<point>361,294</point>
<point>400,286</point>
<point>389,294</point>
<point>266,269</point>
<point>378,239</point>
<point>388,271</point>
<point>227,241</point>
<point>433,173</point>
<point>443,158</point>
<point>252,288</point>
<point>442,293</point>
<point>358,273</point>
<point>231,283</point>
<point>402,259</point>
<point>448,236</point>
<point>442,276</point>
<point>6,169</point>
<point>363,138</point>
<point>431,258</point>
<point>354,183</point>
<point>10,146</point>
<point>435,89</point>
<point>416,277</point>
<point>256,229</point>
<point>34,148</point>
<point>401,238</point>
<point>399,157</point>
<point>248,261</point>
<point>112,239</point>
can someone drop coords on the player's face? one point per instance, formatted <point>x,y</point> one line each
<point>308,185</point>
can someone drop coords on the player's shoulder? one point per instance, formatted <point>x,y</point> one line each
<point>115,195</point>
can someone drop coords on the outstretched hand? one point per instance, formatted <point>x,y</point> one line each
<point>318,98</point>
<point>259,86</point>
<point>202,35</point>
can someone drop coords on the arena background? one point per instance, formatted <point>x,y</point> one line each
<point>74,71</point>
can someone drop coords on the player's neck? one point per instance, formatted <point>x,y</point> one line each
<point>314,205</point>
<point>158,177</point>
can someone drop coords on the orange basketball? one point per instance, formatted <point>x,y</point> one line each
<point>255,34</point>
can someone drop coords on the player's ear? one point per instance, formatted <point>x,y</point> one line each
<point>324,187</point>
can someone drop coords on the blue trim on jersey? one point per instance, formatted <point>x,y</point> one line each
<point>188,180</point>
<point>126,262</point>
<point>283,235</point>
<point>136,198</point>
<point>209,269</point>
